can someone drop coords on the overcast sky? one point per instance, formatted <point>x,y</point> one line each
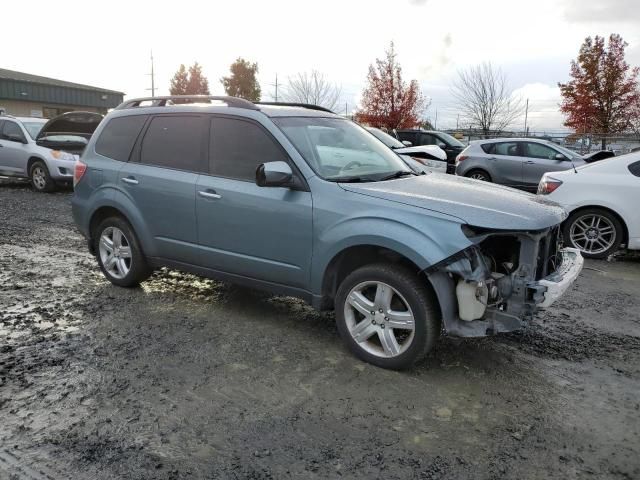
<point>107,44</point>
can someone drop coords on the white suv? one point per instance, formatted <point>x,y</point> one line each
<point>44,151</point>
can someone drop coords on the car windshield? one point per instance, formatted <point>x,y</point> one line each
<point>451,141</point>
<point>33,128</point>
<point>385,138</point>
<point>339,150</point>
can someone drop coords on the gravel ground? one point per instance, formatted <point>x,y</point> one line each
<point>191,378</point>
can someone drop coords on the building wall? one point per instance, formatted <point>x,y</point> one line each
<point>19,108</point>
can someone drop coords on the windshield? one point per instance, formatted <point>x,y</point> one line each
<point>341,151</point>
<point>451,141</point>
<point>566,151</point>
<point>385,138</point>
<point>33,128</point>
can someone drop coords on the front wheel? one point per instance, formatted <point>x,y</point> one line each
<point>40,178</point>
<point>595,232</point>
<point>386,316</point>
<point>479,175</point>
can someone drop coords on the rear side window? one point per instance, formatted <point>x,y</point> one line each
<point>238,147</point>
<point>174,141</point>
<point>118,136</point>
<point>11,128</point>
<point>634,168</point>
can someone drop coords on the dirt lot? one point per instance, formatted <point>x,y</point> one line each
<point>190,378</point>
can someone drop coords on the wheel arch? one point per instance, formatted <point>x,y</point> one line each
<point>33,159</point>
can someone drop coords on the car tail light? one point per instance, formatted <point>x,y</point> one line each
<point>460,158</point>
<point>78,172</point>
<point>548,185</point>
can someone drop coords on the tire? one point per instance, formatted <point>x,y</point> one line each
<point>129,267</point>
<point>596,232</point>
<point>40,179</point>
<point>408,296</point>
<point>478,175</point>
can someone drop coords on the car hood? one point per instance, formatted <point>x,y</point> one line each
<point>475,202</point>
<point>70,131</point>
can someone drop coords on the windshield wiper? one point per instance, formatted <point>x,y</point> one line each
<point>351,179</point>
<point>398,174</point>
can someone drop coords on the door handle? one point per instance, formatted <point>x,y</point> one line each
<point>529,162</point>
<point>209,194</point>
<point>130,181</point>
<point>492,158</point>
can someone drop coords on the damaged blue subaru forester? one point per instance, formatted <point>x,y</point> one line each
<point>302,202</point>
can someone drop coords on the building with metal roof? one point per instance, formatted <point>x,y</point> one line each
<point>26,95</point>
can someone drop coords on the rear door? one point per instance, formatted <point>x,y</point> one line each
<point>505,162</point>
<point>14,154</point>
<point>161,181</point>
<point>539,159</point>
<point>255,232</point>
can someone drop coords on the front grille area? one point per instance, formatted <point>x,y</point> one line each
<point>548,250</point>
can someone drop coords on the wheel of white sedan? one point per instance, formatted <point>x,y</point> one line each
<point>387,316</point>
<point>597,233</point>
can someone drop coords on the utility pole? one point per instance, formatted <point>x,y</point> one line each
<point>275,85</point>
<point>526,117</point>
<point>435,123</point>
<point>153,78</point>
<point>346,109</point>
<point>458,122</point>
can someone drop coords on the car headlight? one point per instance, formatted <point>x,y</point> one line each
<point>59,155</point>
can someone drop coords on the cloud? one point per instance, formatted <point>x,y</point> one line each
<point>418,3</point>
<point>598,11</point>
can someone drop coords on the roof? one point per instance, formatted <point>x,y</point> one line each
<point>288,111</point>
<point>27,77</point>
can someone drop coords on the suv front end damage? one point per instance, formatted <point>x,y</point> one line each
<point>502,279</point>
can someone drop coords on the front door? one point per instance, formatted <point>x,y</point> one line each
<point>14,152</point>
<point>161,179</point>
<point>262,233</point>
<point>540,159</point>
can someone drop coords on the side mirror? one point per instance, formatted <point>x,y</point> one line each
<point>560,156</point>
<point>274,174</point>
<point>442,145</point>
<point>407,143</point>
<point>16,137</point>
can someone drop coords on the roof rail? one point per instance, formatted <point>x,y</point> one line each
<point>177,100</point>
<point>293,104</point>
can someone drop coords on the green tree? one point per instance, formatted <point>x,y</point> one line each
<point>198,83</point>
<point>242,82</point>
<point>179,82</point>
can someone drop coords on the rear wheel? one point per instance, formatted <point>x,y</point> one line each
<point>386,316</point>
<point>40,178</point>
<point>479,175</point>
<point>597,233</point>
<point>119,254</point>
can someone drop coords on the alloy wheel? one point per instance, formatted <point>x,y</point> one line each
<point>115,252</point>
<point>478,176</point>
<point>592,233</point>
<point>379,319</point>
<point>39,178</point>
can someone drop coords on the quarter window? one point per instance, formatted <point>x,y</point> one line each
<point>238,147</point>
<point>174,141</point>
<point>119,135</point>
<point>537,150</point>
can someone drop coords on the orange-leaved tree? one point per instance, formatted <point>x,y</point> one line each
<point>388,101</point>
<point>603,93</point>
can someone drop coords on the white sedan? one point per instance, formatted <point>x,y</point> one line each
<point>603,201</point>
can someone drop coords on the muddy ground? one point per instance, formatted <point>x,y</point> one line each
<point>191,378</point>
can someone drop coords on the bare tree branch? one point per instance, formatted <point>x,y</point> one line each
<point>485,99</point>
<point>313,88</point>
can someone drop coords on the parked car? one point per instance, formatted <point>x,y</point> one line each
<point>425,158</point>
<point>44,151</point>
<point>303,202</point>
<point>515,162</point>
<point>451,145</point>
<point>603,200</point>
